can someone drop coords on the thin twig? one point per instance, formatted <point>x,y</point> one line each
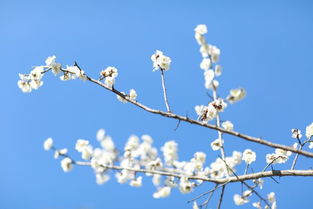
<point>248,186</point>
<point>221,197</point>
<point>178,123</point>
<point>206,202</point>
<point>207,192</point>
<point>164,91</point>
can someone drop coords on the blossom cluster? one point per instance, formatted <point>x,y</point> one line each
<point>139,153</point>
<point>210,56</point>
<point>33,80</point>
<point>164,166</point>
<point>160,61</point>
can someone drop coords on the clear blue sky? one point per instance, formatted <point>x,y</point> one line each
<point>266,48</point>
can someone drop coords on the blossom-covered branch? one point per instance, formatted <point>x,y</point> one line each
<point>167,171</point>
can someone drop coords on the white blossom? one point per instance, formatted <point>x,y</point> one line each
<point>31,81</point>
<point>48,144</point>
<point>110,74</point>
<point>206,113</point>
<point>132,143</point>
<point>59,152</point>
<point>136,182</point>
<point>309,131</point>
<point>280,156</point>
<point>296,133</point>
<point>66,77</point>
<point>201,29</point>
<point>108,144</point>
<point>81,144</point>
<point>160,61</point>
<point>249,156</point>
<point>162,192</point>
<point>75,72</point>
<point>200,156</point>
<point>36,73</point>
<point>271,197</point>
<point>51,64</point>
<point>215,84</point>
<point>185,186</point>
<point>259,182</point>
<point>228,125</point>
<point>102,178</point>
<point>217,144</point>
<point>219,104</point>
<point>236,95</point>
<point>100,135</point>
<point>170,152</point>
<point>200,39</point>
<point>218,70</point>
<point>87,152</point>
<point>208,77</point>
<point>257,205</point>
<point>67,164</point>
<point>35,84</point>
<point>132,94</point>
<point>240,200</point>
<point>156,179</point>
<point>205,64</point>
<point>24,86</point>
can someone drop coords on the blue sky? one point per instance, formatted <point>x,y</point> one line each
<point>266,48</point>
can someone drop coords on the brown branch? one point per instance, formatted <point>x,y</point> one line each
<point>214,180</point>
<point>200,123</point>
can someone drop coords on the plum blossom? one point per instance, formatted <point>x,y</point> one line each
<point>136,182</point>
<point>162,192</point>
<point>201,29</point>
<point>240,200</point>
<point>67,164</point>
<point>236,95</point>
<point>51,64</point>
<point>219,104</point>
<point>160,61</point>
<point>309,131</point>
<point>205,64</point>
<point>217,144</point>
<point>102,178</point>
<point>170,152</point>
<point>109,74</point>
<point>249,156</point>
<point>132,94</point>
<point>185,186</point>
<point>228,125</point>
<point>59,152</point>
<point>280,156</point>
<point>218,70</point>
<point>206,113</point>
<point>48,144</point>
<point>296,134</point>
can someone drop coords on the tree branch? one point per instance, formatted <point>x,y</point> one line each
<point>214,180</point>
<point>199,123</point>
